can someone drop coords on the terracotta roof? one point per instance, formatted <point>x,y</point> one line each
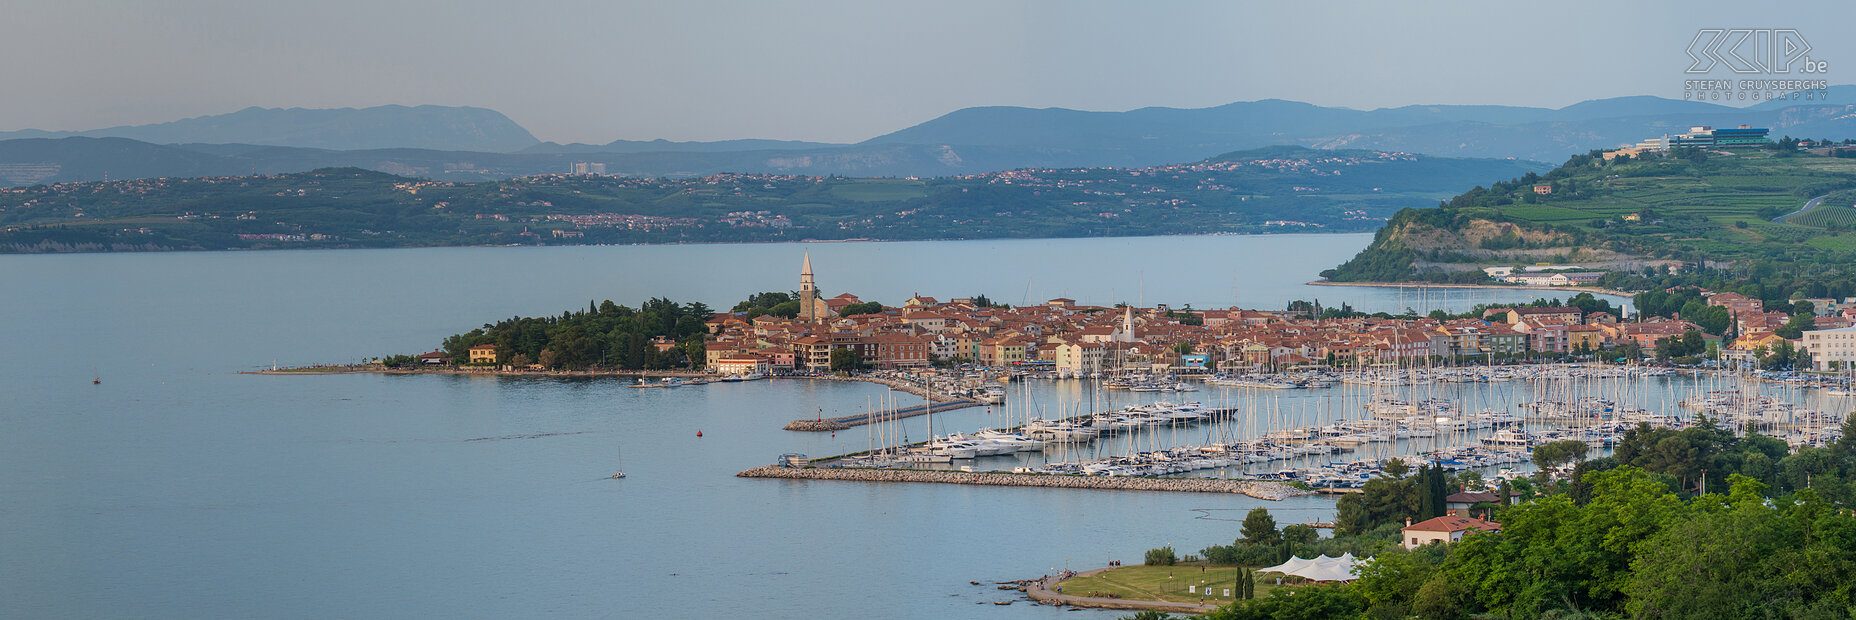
<point>1453,524</point>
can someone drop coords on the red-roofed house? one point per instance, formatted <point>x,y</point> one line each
<point>1444,529</point>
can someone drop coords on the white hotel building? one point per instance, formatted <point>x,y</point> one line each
<point>1828,345</point>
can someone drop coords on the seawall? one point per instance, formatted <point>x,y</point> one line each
<point>1254,488</point>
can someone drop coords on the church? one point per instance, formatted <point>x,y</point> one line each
<point>811,308</point>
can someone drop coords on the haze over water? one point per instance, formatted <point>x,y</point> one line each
<point>178,488</point>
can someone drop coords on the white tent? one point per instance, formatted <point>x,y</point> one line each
<point>1323,568</point>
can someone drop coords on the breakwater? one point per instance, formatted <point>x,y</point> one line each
<point>1254,488</point>
<point>942,402</point>
<point>844,422</point>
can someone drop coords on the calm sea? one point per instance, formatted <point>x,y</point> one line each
<point>179,489</point>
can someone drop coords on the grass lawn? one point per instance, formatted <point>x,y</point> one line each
<point>1152,583</point>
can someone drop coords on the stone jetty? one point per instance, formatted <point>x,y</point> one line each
<point>844,422</point>
<point>1254,488</point>
<point>942,402</point>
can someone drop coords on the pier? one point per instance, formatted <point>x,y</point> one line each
<point>844,422</point>
<point>1273,491</point>
<point>939,402</point>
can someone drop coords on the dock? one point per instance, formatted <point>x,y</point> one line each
<point>1260,489</point>
<point>844,422</point>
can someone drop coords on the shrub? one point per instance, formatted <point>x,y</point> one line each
<point>1162,557</point>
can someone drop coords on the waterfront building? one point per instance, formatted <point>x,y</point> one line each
<point>892,350</point>
<point>1079,359</point>
<point>811,353</point>
<point>743,365</point>
<point>1546,336</point>
<point>483,354</point>
<point>1831,349</point>
<point>715,351</point>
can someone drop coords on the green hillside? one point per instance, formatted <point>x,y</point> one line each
<point>1694,217</point>
<point>1270,190</point>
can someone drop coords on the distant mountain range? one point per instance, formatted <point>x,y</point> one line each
<point>390,126</point>
<point>467,144</point>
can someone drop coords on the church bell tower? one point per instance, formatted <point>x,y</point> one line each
<point>808,292</point>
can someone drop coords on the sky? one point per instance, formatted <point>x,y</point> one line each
<point>845,71</point>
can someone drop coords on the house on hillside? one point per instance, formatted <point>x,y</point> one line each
<point>1443,529</point>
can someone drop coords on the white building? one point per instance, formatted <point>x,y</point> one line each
<point>1080,359</point>
<point>1831,345</point>
<point>589,168</point>
<point>743,366</point>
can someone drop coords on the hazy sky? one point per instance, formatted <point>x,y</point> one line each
<point>844,71</point>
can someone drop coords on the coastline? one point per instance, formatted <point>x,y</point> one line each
<point>1510,287</point>
<point>1256,233</point>
<point>1047,592</point>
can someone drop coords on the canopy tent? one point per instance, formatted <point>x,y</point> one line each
<point>1323,568</point>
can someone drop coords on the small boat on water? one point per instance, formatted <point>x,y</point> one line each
<point>620,457</point>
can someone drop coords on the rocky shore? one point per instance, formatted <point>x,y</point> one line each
<point>1259,489</point>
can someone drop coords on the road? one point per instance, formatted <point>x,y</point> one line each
<point>1809,205</point>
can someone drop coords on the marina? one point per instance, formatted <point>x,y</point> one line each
<point>1344,427</point>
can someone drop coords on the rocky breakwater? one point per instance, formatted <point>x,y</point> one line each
<point>1254,488</point>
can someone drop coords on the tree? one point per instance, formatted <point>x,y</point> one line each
<point>787,309</point>
<point>1552,455</point>
<point>1300,534</point>
<point>697,351</point>
<point>1308,603</point>
<point>847,359</point>
<point>1260,527</point>
<point>863,308</point>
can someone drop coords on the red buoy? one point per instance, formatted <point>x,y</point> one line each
<point>698,433</point>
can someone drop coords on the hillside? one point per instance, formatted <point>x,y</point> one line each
<point>391,126</point>
<point>1706,215</point>
<point>1277,189</point>
<point>1462,131</point>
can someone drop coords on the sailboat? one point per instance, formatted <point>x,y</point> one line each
<point>96,377</point>
<point>618,457</point>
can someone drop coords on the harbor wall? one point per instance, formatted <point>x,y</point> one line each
<point>1254,488</point>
